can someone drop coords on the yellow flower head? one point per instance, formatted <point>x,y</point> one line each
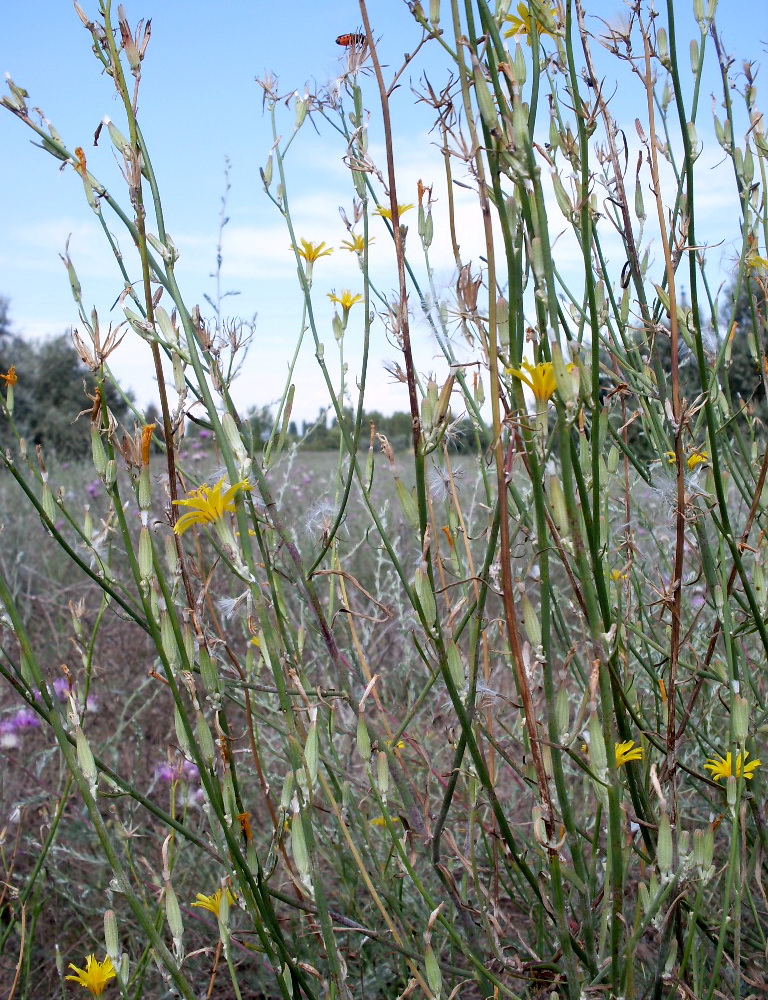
<point>627,751</point>
<point>346,300</point>
<point>755,262</point>
<point>697,457</point>
<point>208,504</point>
<point>312,251</point>
<point>94,976</point>
<point>10,378</point>
<point>520,23</point>
<point>213,903</point>
<point>540,379</point>
<point>725,767</point>
<point>356,243</point>
<point>386,213</point>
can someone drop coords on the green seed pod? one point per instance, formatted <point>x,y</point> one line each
<point>561,195</point>
<point>49,505</point>
<point>485,101</point>
<point>662,48</point>
<point>188,639</point>
<point>144,497</point>
<point>181,733</point>
<point>357,98</point>
<point>432,969</point>
<point>639,204</point>
<point>426,598</point>
<point>299,844</point>
<point>311,749</point>
<point>145,553</point>
<point>266,173</point>
<point>429,230</point>
<point>85,759</point>
<point>562,713</point>
<point>204,739</point>
<point>287,792</point>
<point>168,641</point>
<point>97,451</point>
<point>408,504</point>
<point>597,755</point>
<point>557,502</point>
<point>173,914</point>
<point>664,850</point>
<point>301,113</point>
<point>223,918</point>
<point>110,936</point>
<point>531,622</point>
<point>363,739</point>
<point>434,12</point>
<point>229,798</point>
<point>209,672</point>
<point>232,435</point>
<point>382,774</point>
<point>740,719</point>
<point>455,666</point>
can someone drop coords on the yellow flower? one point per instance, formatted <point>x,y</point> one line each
<point>94,976</point>
<point>386,213</point>
<point>312,251</point>
<point>627,751</point>
<point>697,457</point>
<point>540,379</point>
<point>521,22</point>
<point>724,767</point>
<point>10,378</point>
<point>755,262</point>
<point>213,903</point>
<point>380,821</point>
<point>356,243</point>
<point>617,576</point>
<point>346,300</point>
<point>208,504</point>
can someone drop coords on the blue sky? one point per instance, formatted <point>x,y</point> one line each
<point>199,104</point>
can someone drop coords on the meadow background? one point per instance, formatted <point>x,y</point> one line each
<point>455,688</point>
